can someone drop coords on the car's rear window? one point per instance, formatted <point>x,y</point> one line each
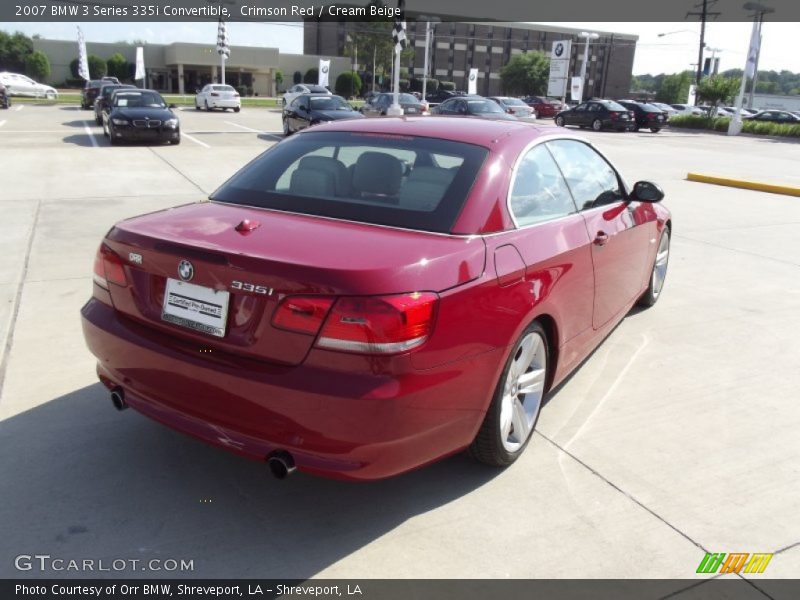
<point>402,181</point>
<point>223,88</point>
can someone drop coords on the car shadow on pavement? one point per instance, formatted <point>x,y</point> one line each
<point>89,120</point>
<point>82,480</point>
<point>82,139</point>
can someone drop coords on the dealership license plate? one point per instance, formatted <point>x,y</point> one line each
<point>196,307</point>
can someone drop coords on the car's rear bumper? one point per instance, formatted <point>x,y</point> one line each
<point>348,426</point>
<point>222,103</point>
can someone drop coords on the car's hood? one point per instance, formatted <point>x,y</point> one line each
<point>496,116</point>
<point>142,112</point>
<point>336,115</point>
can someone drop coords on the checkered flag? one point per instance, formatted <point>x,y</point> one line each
<point>223,47</point>
<point>399,31</point>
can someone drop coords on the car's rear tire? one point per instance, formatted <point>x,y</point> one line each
<point>659,272</point>
<point>498,443</point>
<point>560,121</point>
<point>237,108</point>
<point>98,120</point>
<point>175,142</point>
<point>655,129</point>
<point>635,127</point>
<point>597,125</point>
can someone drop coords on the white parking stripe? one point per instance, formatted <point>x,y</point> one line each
<point>90,133</point>
<point>19,107</point>
<point>277,137</point>
<point>194,139</point>
<point>2,123</point>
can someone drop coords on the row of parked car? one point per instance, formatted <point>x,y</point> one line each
<point>128,113</point>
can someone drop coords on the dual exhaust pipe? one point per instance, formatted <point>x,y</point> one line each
<point>280,463</point>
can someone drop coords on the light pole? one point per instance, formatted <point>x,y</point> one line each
<point>750,66</point>
<point>588,36</point>
<point>428,21</point>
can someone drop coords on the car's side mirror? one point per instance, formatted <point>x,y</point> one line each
<point>197,90</point>
<point>647,191</point>
<point>172,106</point>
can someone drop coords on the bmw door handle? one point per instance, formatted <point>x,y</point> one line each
<point>601,239</point>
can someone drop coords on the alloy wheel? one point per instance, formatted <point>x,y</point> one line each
<point>660,265</point>
<point>523,392</point>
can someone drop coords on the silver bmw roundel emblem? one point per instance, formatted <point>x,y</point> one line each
<point>185,270</point>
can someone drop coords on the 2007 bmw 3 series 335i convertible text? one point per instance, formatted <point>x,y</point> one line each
<point>370,296</point>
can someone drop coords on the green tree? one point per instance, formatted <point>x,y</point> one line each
<point>37,65</point>
<point>97,66</point>
<point>297,77</point>
<point>526,73</point>
<point>348,84</point>
<point>717,90</point>
<point>311,76</point>
<point>674,88</point>
<point>14,50</point>
<point>278,78</point>
<point>118,67</point>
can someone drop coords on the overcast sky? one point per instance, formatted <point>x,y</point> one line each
<point>654,54</point>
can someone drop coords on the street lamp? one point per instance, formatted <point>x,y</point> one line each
<point>751,65</point>
<point>588,36</point>
<point>428,20</point>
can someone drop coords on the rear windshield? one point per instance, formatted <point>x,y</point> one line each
<point>222,88</point>
<point>402,181</point>
<point>513,102</point>
<point>483,106</point>
<point>650,108</point>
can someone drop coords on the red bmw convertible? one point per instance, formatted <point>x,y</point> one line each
<point>370,296</point>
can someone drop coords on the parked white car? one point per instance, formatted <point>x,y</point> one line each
<point>668,110</point>
<point>217,95</point>
<point>688,109</point>
<point>22,85</point>
<point>303,88</point>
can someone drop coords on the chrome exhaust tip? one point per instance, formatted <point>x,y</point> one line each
<point>281,464</point>
<point>118,398</point>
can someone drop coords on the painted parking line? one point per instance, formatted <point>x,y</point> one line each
<point>19,107</point>
<point>272,135</point>
<point>194,139</point>
<point>2,123</point>
<point>90,133</point>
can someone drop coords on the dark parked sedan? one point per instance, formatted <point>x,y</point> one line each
<point>645,116</point>
<point>140,115</point>
<point>379,104</point>
<point>474,106</point>
<point>103,101</point>
<point>597,114</point>
<point>376,296</point>
<point>775,116</point>
<point>91,90</point>
<point>311,109</point>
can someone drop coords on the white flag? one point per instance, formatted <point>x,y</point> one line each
<point>139,64</point>
<point>83,59</point>
<point>472,85</point>
<point>324,67</point>
<point>752,53</point>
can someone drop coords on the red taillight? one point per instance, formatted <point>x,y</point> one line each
<point>510,111</point>
<point>108,268</point>
<point>379,325</point>
<point>615,115</point>
<point>652,115</point>
<point>303,314</point>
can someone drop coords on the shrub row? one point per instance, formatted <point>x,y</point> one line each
<point>721,124</point>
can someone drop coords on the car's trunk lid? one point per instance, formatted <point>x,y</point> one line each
<point>274,254</point>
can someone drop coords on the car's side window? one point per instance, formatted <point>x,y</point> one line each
<point>592,181</point>
<point>539,192</point>
<point>580,108</point>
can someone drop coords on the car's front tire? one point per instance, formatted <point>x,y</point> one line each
<point>286,130</point>
<point>659,272</point>
<point>655,129</point>
<point>516,403</point>
<point>560,121</point>
<point>597,125</point>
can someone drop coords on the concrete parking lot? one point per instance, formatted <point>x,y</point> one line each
<point>679,435</point>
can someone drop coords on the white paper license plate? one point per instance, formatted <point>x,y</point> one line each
<point>196,307</point>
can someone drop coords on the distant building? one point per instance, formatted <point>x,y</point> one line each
<point>459,46</point>
<point>182,67</point>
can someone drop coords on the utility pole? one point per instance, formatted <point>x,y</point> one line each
<point>758,55</point>
<point>704,15</point>
<point>425,64</point>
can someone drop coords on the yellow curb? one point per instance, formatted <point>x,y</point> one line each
<point>758,186</point>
